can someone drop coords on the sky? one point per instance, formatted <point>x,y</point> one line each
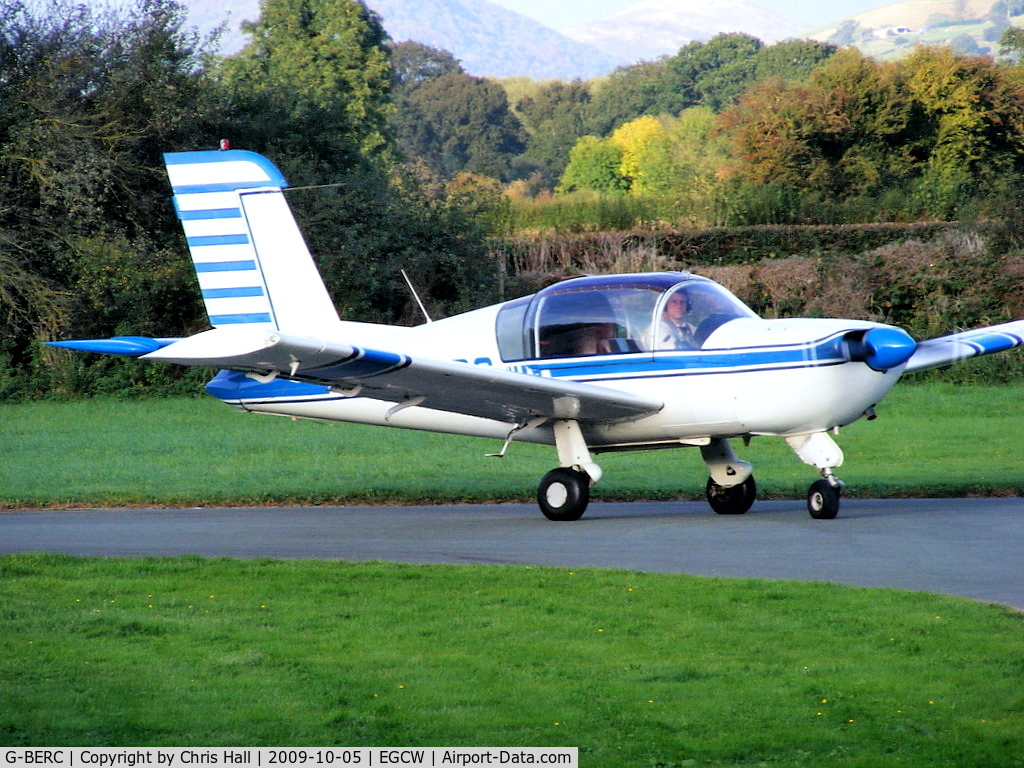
<point>562,14</point>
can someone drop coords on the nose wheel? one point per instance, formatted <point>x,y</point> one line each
<point>819,450</point>
<point>823,500</point>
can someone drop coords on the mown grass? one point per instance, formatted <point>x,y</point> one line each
<point>635,669</point>
<point>930,440</point>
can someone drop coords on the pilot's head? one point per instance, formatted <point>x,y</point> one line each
<point>676,307</point>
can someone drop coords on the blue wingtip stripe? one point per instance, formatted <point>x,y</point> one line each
<point>213,157</point>
<point>988,343</point>
<point>222,186</point>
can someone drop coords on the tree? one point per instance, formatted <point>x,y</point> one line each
<point>449,120</point>
<point>643,146</point>
<point>555,118</point>
<point>463,123</point>
<point>936,130</point>
<point>975,106</point>
<point>698,154</point>
<point>711,73</point>
<point>594,164</point>
<point>715,72</point>
<point>792,60</point>
<point>628,93</point>
<point>413,64</point>
<point>1012,43</point>
<point>90,100</point>
<point>312,87</point>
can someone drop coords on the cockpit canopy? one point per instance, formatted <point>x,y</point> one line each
<point>616,314</point>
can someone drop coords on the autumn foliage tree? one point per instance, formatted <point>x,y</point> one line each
<point>928,134</point>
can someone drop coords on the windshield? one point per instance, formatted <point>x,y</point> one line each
<point>691,312</point>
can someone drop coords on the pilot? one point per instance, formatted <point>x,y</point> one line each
<point>673,332</point>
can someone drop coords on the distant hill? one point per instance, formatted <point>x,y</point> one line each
<point>488,39</point>
<point>491,40</point>
<point>970,26</point>
<point>656,27</point>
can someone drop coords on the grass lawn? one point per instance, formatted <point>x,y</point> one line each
<point>929,440</point>
<point>635,669</point>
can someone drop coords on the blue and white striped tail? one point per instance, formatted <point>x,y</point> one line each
<point>252,262</point>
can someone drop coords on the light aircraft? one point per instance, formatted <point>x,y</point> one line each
<point>589,365</point>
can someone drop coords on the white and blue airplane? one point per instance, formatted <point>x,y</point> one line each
<point>589,365</point>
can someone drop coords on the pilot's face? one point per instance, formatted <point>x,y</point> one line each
<point>676,308</point>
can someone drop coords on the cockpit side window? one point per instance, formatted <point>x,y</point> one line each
<point>570,324</point>
<point>510,330</point>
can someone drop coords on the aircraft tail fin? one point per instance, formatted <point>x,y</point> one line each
<point>252,262</point>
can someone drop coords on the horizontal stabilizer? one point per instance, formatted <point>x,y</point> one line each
<point>255,349</point>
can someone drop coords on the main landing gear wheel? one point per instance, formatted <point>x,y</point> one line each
<point>563,494</point>
<point>732,501</point>
<point>823,500</point>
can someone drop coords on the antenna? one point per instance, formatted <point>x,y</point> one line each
<point>416,296</point>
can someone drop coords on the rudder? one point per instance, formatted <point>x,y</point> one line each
<point>252,262</point>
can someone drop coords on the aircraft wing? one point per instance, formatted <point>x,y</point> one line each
<point>476,390</point>
<point>947,350</point>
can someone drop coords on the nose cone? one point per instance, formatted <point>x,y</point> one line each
<point>883,349</point>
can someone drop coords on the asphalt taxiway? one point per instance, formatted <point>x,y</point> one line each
<point>966,547</point>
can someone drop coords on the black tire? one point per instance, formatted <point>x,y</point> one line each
<point>563,494</point>
<point>823,500</point>
<point>732,501</point>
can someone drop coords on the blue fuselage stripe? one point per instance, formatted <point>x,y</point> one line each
<point>599,369</point>
<point>828,352</point>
